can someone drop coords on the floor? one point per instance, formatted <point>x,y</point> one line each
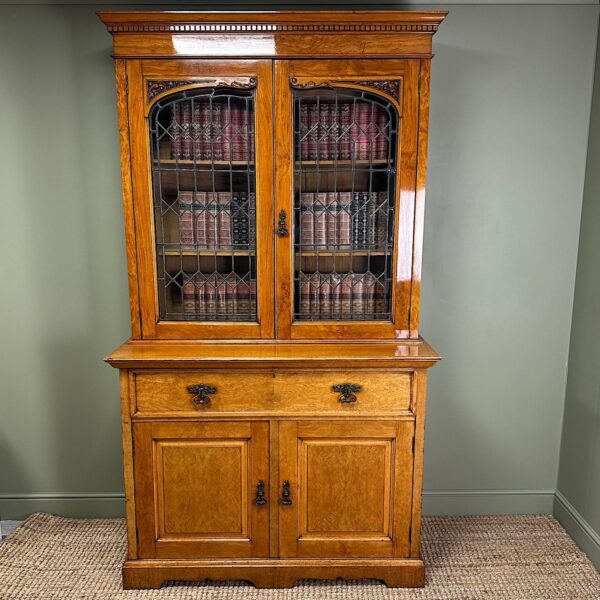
<point>467,558</point>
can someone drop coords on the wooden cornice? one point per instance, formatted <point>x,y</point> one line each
<point>272,22</point>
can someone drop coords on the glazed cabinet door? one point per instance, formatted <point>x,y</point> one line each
<point>345,488</point>
<point>201,489</point>
<point>347,207</point>
<point>201,145</point>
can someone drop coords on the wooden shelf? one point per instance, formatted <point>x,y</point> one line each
<point>164,162</point>
<point>190,251</point>
<point>362,163</point>
<point>341,253</point>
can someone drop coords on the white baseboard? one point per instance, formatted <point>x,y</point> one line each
<point>577,527</point>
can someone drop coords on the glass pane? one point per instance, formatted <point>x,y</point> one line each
<point>205,205</point>
<point>344,201</point>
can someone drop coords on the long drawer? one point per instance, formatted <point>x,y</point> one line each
<point>286,392</point>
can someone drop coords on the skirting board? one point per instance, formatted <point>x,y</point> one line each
<point>578,528</point>
<point>438,502</point>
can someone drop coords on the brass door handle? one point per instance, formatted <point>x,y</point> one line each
<point>201,391</point>
<point>260,499</point>
<point>286,495</point>
<point>347,392</point>
<point>282,231</point>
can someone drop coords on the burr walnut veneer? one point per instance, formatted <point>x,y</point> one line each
<point>273,389</point>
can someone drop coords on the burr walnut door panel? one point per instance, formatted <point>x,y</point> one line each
<point>202,489</point>
<point>346,488</point>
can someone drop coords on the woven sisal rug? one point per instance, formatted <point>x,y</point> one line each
<point>467,558</point>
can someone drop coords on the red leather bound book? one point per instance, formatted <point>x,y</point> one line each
<point>307,220</point>
<point>344,221</point>
<point>215,132</point>
<point>189,297</point>
<point>362,117</point>
<point>369,281</point>
<point>224,236</point>
<point>345,131</point>
<point>186,218</point>
<point>253,304</point>
<point>320,219</point>
<point>201,297</point>
<point>332,216</point>
<point>336,304</point>
<point>212,216</point>
<point>358,297</point>
<point>205,122</point>
<point>315,283</point>
<point>201,218</point>
<point>324,127</point>
<point>210,295</point>
<point>346,296</point>
<point>313,132</point>
<point>196,130</point>
<point>186,131</point>
<point>175,131</point>
<point>382,133</point>
<point>221,295</point>
<point>380,299</point>
<point>303,131</point>
<point>237,138</point>
<point>243,300</point>
<point>334,133</point>
<point>325,297</point>
<point>226,131</point>
<point>304,294</point>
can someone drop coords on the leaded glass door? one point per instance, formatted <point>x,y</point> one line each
<point>347,145</point>
<point>206,191</point>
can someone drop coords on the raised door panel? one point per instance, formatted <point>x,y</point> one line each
<point>347,136</point>
<point>201,145</point>
<point>196,489</point>
<point>350,488</point>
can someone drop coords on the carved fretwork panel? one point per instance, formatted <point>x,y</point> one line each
<point>388,86</point>
<point>156,87</point>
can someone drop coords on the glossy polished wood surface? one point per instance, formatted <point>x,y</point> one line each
<point>275,479</point>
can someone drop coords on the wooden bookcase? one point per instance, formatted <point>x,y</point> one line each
<point>273,389</point>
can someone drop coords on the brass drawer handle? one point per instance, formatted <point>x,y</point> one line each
<point>286,499</point>
<point>201,391</point>
<point>347,392</point>
<point>260,499</point>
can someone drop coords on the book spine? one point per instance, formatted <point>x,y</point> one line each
<point>201,219</point>
<point>332,216</point>
<point>324,126</point>
<point>382,134</point>
<point>307,219</point>
<point>186,218</point>
<point>358,297</point>
<point>237,142</point>
<point>201,297</point>
<point>362,116</point>
<point>211,297</point>
<point>243,302</point>
<point>304,295</point>
<point>207,138</point>
<point>239,220</point>
<point>383,215</point>
<point>334,132</point>
<point>211,214</point>
<point>226,131</point>
<point>313,132</point>
<point>245,133</point>
<point>355,219</point>
<point>186,133</point>
<point>364,219</point>
<point>189,297</point>
<point>253,303</point>
<point>320,219</point>
<point>344,220</point>
<point>372,219</point>
<point>345,131</point>
<point>369,282</point>
<point>175,131</point>
<point>224,219</point>
<point>215,132</point>
<point>221,298</point>
<point>315,281</point>
<point>336,304</point>
<point>303,131</point>
<point>380,299</point>
<point>196,130</point>
<point>325,297</point>
<point>346,296</point>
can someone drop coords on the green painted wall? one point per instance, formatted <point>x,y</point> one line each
<point>510,111</point>
<point>578,502</point>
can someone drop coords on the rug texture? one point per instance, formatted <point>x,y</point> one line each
<point>467,558</point>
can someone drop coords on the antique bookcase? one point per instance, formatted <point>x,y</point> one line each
<point>273,389</point>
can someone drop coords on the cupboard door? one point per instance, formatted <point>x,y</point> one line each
<point>202,489</point>
<point>202,147</point>
<point>346,488</point>
<point>346,147</point>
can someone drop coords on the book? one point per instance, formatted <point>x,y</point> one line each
<point>188,293</point>
<point>313,132</point>
<point>253,304</point>
<point>320,219</point>
<point>186,133</point>
<point>382,133</point>
<point>369,283</point>
<point>211,215</point>
<point>200,297</point>
<point>224,235</point>
<point>200,219</point>
<point>237,138</point>
<point>307,223</point>
<point>243,299</point>
<point>334,132</point>
<point>324,126</point>
<point>186,218</point>
<point>345,146</point>
<point>331,216</point>
<point>196,130</point>
<point>361,139</point>
<point>303,131</point>
<point>175,131</point>
<point>240,220</point>
<point>346,295</point>
<point>325,297</point>
<point>382,218</point>
<point>381,301</point>
<point>344,220</point>
<point>358,296</point>
<point>336,305</point>
<point>315,281</point>
<point>216,132</point>
<point>210,297</point>
<point>304,295</point>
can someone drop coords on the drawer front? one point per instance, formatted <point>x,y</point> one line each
<point>168,391</point>
<point>358,391</point>
<point>286,392</point>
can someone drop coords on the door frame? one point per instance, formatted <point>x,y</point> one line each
<point>336,72</point>
<point>195,73</point>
